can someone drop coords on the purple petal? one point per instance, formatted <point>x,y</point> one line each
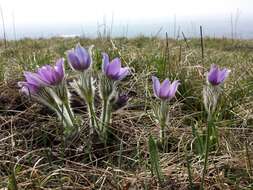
<point>28,89</point>
<point>121,100</point>
<point>164,90</point>
<point>33,78</point>
<point>81,53</point>
<point>105,62</point>
<point>74,61</point>
<point>123,73</point>
<point>83,56</point>
<point>173,89</point>
<point>156,86</point>
<point>213,75</point>
<point>59,68</point>
<point>223,75</point>
<point>52,75</point>
<point>113,68</point>
<point>45,74</point>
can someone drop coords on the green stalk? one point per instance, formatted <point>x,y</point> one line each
<point>92,116</point>
<point>12,181</point>
<point>61,115</point>
<point>162,132</point>
<point>106,116</point>
<point>70,112</point>
<point>163,120</point>
<point>209,128</point>
<point>154,159</point>
<point>188,162</point>
<point>104,111</point>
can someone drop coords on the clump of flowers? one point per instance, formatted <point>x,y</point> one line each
<point>164,91</point>
<point>48,86</point>
<point>80,61</point>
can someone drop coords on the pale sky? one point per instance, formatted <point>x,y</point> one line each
<point>56,17</point>
<point>87,11</point>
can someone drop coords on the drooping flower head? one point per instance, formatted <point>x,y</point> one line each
<point>79,59</point>
<point>113,69</point>
<point>28,88</point>
<point>34,79</point>
<point>52,75</point>
<point>121,101</point>
<point>32,84</point>
<point>45,76</point>
<point>217,76</point>
<point>166,90</point>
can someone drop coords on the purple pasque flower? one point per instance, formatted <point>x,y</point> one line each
<point>79,58</point>
<point>121,100</point>
<point>45,76</point>
<point>166,90</point>
<point>52,75</point>
<point>113,69</point>
<point>34,79</point>
<point>32,84</point>
<point>217,76</point>
<point>28,88</point>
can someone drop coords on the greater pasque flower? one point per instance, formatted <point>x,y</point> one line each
<point>28,88</point>
<point>52,75</point>
<point>217,76</point>
<point>32,84</point>
<point>79,58</point>
<point>45,76</point>
<point>113,69</point>
<point>34,79</point>
<point>120,102</point>
<point>166,90</point>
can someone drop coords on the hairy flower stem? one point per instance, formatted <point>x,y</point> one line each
<point>92,116</point>
<point>65,117</point>
<point>209,128</point>
<point>51,99</point>
<point>70,112</point>
<point>164,109</point>
<point>104,112</point>
<point>85,88</point>
<point>162,132</point>
<point>105,118</point>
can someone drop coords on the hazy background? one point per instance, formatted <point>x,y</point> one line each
<point>46,18</point>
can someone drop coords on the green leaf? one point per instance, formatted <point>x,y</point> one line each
<point>154,159</point>
<point>12,182</point>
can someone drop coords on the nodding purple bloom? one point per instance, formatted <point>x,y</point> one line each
<point>79,59</point>
<point>46,75</point>
<point>34,79</point>
<point>28,88</point>
<point>113,69</point>
<point>121,101</point>
<point>32,84</point>
<point>52,75</point>
<point>166,90</point>
<point>217,76</point>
